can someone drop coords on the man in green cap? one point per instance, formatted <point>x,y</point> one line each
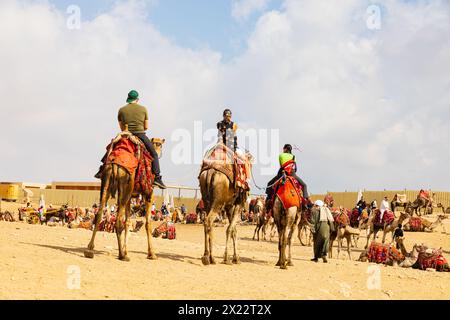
<point>289,166</point>
<point>136,117</point>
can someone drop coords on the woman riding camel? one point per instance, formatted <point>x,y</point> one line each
<point>289,166</point>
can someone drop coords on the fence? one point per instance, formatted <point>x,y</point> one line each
<point>190,197</point>
<point>349,199</point>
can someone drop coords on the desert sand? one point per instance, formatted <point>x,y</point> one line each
<point>38,262</point>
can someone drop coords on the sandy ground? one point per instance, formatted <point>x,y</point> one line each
<point>39,262</point>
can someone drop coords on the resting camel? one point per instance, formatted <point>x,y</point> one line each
<point>114,179</point>
<point>219,194</point>
<point>427,225</point>
<point>386,228</point>
<point>409,258</point>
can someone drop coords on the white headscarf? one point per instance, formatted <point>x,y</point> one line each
<point>325,213</point>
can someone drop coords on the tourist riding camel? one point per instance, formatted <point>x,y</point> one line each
<point>224,187</point>
<point>288,166</point>
<point>135,117</point>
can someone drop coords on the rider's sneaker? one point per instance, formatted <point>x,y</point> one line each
<point>158,182</point>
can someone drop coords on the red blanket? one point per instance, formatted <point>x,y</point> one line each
<point>135,159</point>
<point>415,224</point>
<point>388,218</point>
<point>289,192</point>
<point>223,159</point>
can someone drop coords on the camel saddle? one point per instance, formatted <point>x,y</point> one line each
<point>354,217</point>
<point>341,218</point>
<point>415,223</point>
<point>129,152</point>
<point>289,191</point>
<point>223,159</point>
<point>381,253</point>
<point>431,258</point>
<point>388,218</point>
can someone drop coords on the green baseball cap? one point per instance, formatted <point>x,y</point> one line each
<point>132,95</point>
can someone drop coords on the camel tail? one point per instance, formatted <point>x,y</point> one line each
<point>210,184</point>
<point>113,186</point>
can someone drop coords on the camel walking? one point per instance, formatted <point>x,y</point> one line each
<point>342,231</point>
<point>386,228</point>
<point>219,194</point>
<point>261,219</point>
<point>116,179</point>
<point>286,221</point>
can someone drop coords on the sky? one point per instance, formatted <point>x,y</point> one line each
<point>362,88</point>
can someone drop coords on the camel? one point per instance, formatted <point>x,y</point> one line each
<point>386,228</point>
<point>304,228</point>
<point>399,200</point>
<point>114,179</point>
<point>340,233</point>
<point>219,195</point>
<point>286,221</point>
<point>419,203</point>
<point>427,225</point>
<point>409,258</point>
<point>261,219</point>
<point>7,216</point>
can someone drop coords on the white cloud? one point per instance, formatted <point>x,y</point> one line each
<point>242,9</point>
<point>368,108</point>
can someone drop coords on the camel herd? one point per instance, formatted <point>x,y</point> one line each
<point>220,196</point>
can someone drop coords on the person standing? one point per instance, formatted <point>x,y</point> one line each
<point>322,227</point>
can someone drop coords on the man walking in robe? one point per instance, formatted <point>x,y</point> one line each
<point>322,226</point>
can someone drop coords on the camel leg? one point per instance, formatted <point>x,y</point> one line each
<point>230,216</point>
<point>368,237</point>
<point>104,196</point>
<point>289,243</point>
<point>349,241</point>
<point>120,228</point>
<point>233,222</point>
<point>127,226</point>
<point>339,243</point>
<point>280,238</point>
<point>208,228</point>
<point>148,228</point>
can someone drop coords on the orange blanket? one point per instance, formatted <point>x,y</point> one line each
<point>289,192</point>
<point>124,155</point>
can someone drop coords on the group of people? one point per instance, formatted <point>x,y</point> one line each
<point>135,117</point>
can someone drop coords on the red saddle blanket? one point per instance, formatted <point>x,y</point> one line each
<point>191,218</point>
<point>381,253</point>
<point>354,217</point>
<point>235,167</point>
<point>388,218</point>
<point>288,191</point>
<point>415,224</point>
<point>431,258</point>
<point>134,157</point>
<point>341,218</point>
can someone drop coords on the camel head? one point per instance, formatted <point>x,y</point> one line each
<point>157,143</point>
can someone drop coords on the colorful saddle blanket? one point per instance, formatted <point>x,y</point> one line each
<point>431,258</point>
<point>289,192</point>
<point>236,168</point>
<point>388,218</point>
<point>381,253</point>
<point>341,218</point>
<point>130,153</point>
<point>415,224</point>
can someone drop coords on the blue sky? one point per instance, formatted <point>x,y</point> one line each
<point>192,24</point>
